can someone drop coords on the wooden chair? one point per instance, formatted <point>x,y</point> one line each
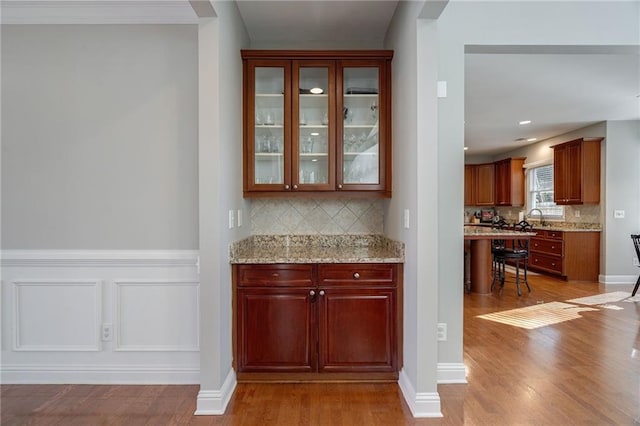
<point>518,253</point>
<point>636,243</point>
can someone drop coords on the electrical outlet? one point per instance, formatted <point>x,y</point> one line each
<point>442,331</point>
<point>576,213</point>
<point>618,214</point>
<point>107,332</point>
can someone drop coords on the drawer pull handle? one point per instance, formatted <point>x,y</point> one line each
<point>275,274</point>
<point>356,275</point>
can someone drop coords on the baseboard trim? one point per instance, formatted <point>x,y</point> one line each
<point>451,372</point>
<point>617,279</point>
<point>214,402</point>
<point>98,374</point>
<point>423,404</point>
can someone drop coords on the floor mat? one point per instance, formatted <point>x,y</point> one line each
<point>604,298</point>
<point>536,316</point>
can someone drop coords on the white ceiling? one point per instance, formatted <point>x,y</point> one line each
<point>355,22</point>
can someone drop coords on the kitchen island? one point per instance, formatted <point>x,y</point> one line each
<point>317,308</point>
<point>480,252</point>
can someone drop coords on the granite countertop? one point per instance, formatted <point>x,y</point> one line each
<point>554,226</point>
<point>316,249</point>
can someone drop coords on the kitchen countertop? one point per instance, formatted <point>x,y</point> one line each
<point>316,249</point>
<point>554,226</point>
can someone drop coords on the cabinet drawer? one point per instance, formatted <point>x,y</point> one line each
<point>553,247</point>
<point>275,275</point>
<point>340,274</point>
<point>550,263</point>
<point>556,235</point>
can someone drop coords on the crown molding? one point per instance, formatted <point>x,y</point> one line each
<point>98,12</point>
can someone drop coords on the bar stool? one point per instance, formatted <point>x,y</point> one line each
<point>518,253</point>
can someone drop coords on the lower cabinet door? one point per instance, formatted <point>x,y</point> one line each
<point>356,330</point>
<point>276,330</point>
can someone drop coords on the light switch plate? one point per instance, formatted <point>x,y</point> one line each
<point>406,218</point>
<point>232,217</point>
<point>239,221</point>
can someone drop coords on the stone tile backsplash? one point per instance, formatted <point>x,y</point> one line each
<point>316,217</point>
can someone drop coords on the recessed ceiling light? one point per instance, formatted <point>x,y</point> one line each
<point>525,122</point>
<point>532,139</point>
<point>316,90</point>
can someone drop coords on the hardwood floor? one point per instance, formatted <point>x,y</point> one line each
<point>578,372</point>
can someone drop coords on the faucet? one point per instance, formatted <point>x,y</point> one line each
<point>542,223</point>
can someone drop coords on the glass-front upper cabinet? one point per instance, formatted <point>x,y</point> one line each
<point>363,129</point>
<point>314,115</point>
<point>267,127</point>
<point>316,122</point>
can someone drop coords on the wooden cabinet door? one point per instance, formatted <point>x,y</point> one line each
<point>469,191</point>
<point>503,182</point>
<point>267,132</point>
<point>363,125</point>
<point>356,330</point>
<point>573,177</point>
<point>485,184</point>
<point>358,324</point>
<point>276,330</point>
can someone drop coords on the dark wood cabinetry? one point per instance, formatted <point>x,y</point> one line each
<point>509,179</point>
<point>572,255</point>
<point>317,122</point>
<point>576,171</point>
<point>314,321</point>
<point>479,182</point>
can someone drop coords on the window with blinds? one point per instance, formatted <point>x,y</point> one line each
<point>541,192</point>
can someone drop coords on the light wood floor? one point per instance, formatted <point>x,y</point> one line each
<point>580,372</point>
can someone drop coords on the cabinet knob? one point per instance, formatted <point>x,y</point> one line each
<point>356,275</point>
<point>295,186</point>
<point>321,292</point>
<point>286,187</point>
<point>339,186</point>
<point>312,293</point>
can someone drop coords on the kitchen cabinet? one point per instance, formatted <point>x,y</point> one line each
<point>317,122</point>
<point>573,255</point>
<point>576,171</point>
<point>479,180</point>
<point>317,320</point>
<point>509,180</point>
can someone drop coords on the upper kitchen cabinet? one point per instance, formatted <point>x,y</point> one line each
<point>479,184</point>
<point>317,122</point>
<point>576,171</point>
<point>509,179</point>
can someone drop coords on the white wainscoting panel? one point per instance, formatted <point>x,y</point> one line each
<point>55,303</point>
<point>157,315</point>
<point>57,315</point>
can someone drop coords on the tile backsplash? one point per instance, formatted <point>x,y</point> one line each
<point>316,217</point>
<point>587,213</point>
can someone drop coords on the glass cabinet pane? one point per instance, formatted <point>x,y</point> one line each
<point>313,126</point>
<point>361,152</point>
<point>268,125</point>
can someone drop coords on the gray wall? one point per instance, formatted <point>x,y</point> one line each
<point>99,137</point>
<point>622,175</point>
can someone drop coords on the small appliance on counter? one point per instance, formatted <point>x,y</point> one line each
<point>487,215</point>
